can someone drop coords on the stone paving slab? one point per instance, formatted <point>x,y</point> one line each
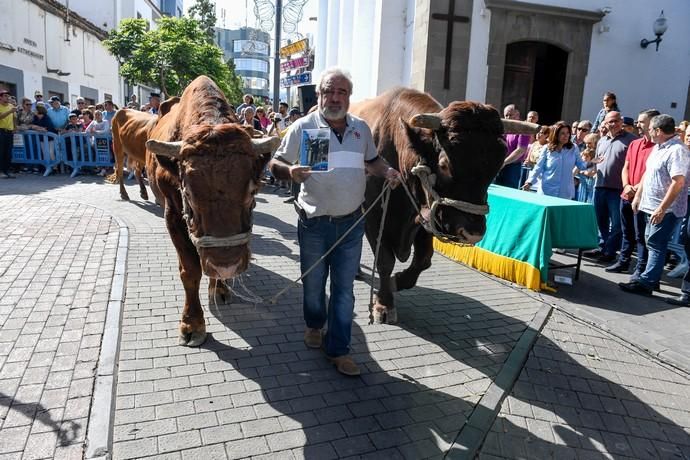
<point>254,389</point>
<point>56,268</point>
<point>585,394</point>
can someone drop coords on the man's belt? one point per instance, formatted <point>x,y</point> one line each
<point>303,215</point>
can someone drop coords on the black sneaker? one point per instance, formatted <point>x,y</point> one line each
<point>635,287</point>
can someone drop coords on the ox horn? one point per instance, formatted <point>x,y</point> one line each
<point>167,149</point>
<point>265,145</point>
<point>519,127</point>
<point>425,120</point>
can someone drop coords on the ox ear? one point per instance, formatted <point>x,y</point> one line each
<point>167,105</point>
<point>166,149</point>
<point>419,140</point>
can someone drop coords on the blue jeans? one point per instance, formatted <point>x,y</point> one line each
<point>685,287</point>
<point>633,228</point>
<point>658,236</point>
<point>607,208</point>
<point>316,236</point>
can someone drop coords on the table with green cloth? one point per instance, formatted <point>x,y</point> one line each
<point>522,228</point>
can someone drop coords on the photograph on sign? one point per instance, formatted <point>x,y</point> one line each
<point>315,148</point>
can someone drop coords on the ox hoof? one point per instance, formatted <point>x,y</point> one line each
<point>125,197</point>
<point>192,339</point>
<point>384,315</point>
<point>144,195</point>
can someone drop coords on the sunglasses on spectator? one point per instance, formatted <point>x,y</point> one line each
<point>580,128</point>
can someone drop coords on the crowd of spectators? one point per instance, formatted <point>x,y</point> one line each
<point>602,162</point>
<point>633,171</point>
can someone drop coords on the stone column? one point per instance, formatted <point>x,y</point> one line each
<point>362,66</point>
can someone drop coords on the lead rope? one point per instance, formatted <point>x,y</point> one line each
<point>427,180</point>
<point>384,205</point>
<point>274,299</point>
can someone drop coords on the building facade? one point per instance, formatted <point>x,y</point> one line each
<point>44,47</point>
<point>107,14</point>
<point>249,49</point>
<point>172,8</point>
<point>553,56</point>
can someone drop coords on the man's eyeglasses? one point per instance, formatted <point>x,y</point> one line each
<point>579,128</point>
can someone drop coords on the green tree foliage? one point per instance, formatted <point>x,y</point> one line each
<point>171,56</point>
<point>204,11</point>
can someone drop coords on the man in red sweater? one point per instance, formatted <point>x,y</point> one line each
<point>633,225</point>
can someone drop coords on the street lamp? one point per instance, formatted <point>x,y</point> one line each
<point>660,26</point>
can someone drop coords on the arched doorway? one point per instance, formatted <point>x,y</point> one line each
<point>534,79</point>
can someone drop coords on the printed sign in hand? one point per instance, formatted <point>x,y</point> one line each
<point>315,148</point>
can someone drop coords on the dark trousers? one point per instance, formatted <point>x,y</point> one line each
<point>633,228</point>
<point>6,143</point>
<point>509,176</point>
<point>607,207</point>
<point>685,287</point>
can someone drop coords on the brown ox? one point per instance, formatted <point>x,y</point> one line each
<point>131,130</point>
<point>461,147</point>
<point>207,169</point>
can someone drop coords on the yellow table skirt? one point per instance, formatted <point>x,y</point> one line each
<point>504,267</point>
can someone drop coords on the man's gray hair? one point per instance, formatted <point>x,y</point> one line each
<point>586,123</point>
<point>509,108</point>
<point>665,123</point>
<point>334,72</point>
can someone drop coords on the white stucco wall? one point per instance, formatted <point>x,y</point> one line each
<point>108,13</point>
<point>388,44</point>
<point>83,56</point>
<point>477,70</point>
<point>641,78</point>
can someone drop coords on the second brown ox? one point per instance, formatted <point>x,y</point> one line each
<point>207,169</point>
<point>447,156</point>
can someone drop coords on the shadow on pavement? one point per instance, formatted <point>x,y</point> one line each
<point>67,431</point>
<point>596,288</point>
<point>420,379</point>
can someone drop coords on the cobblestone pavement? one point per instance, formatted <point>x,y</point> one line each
<point>56,268</point>
<point>254,390</point>
<point>583,394</point>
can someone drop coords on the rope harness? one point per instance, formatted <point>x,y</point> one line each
<point>427,179</point>
<point>289,286</point>
<point>207,241</point>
